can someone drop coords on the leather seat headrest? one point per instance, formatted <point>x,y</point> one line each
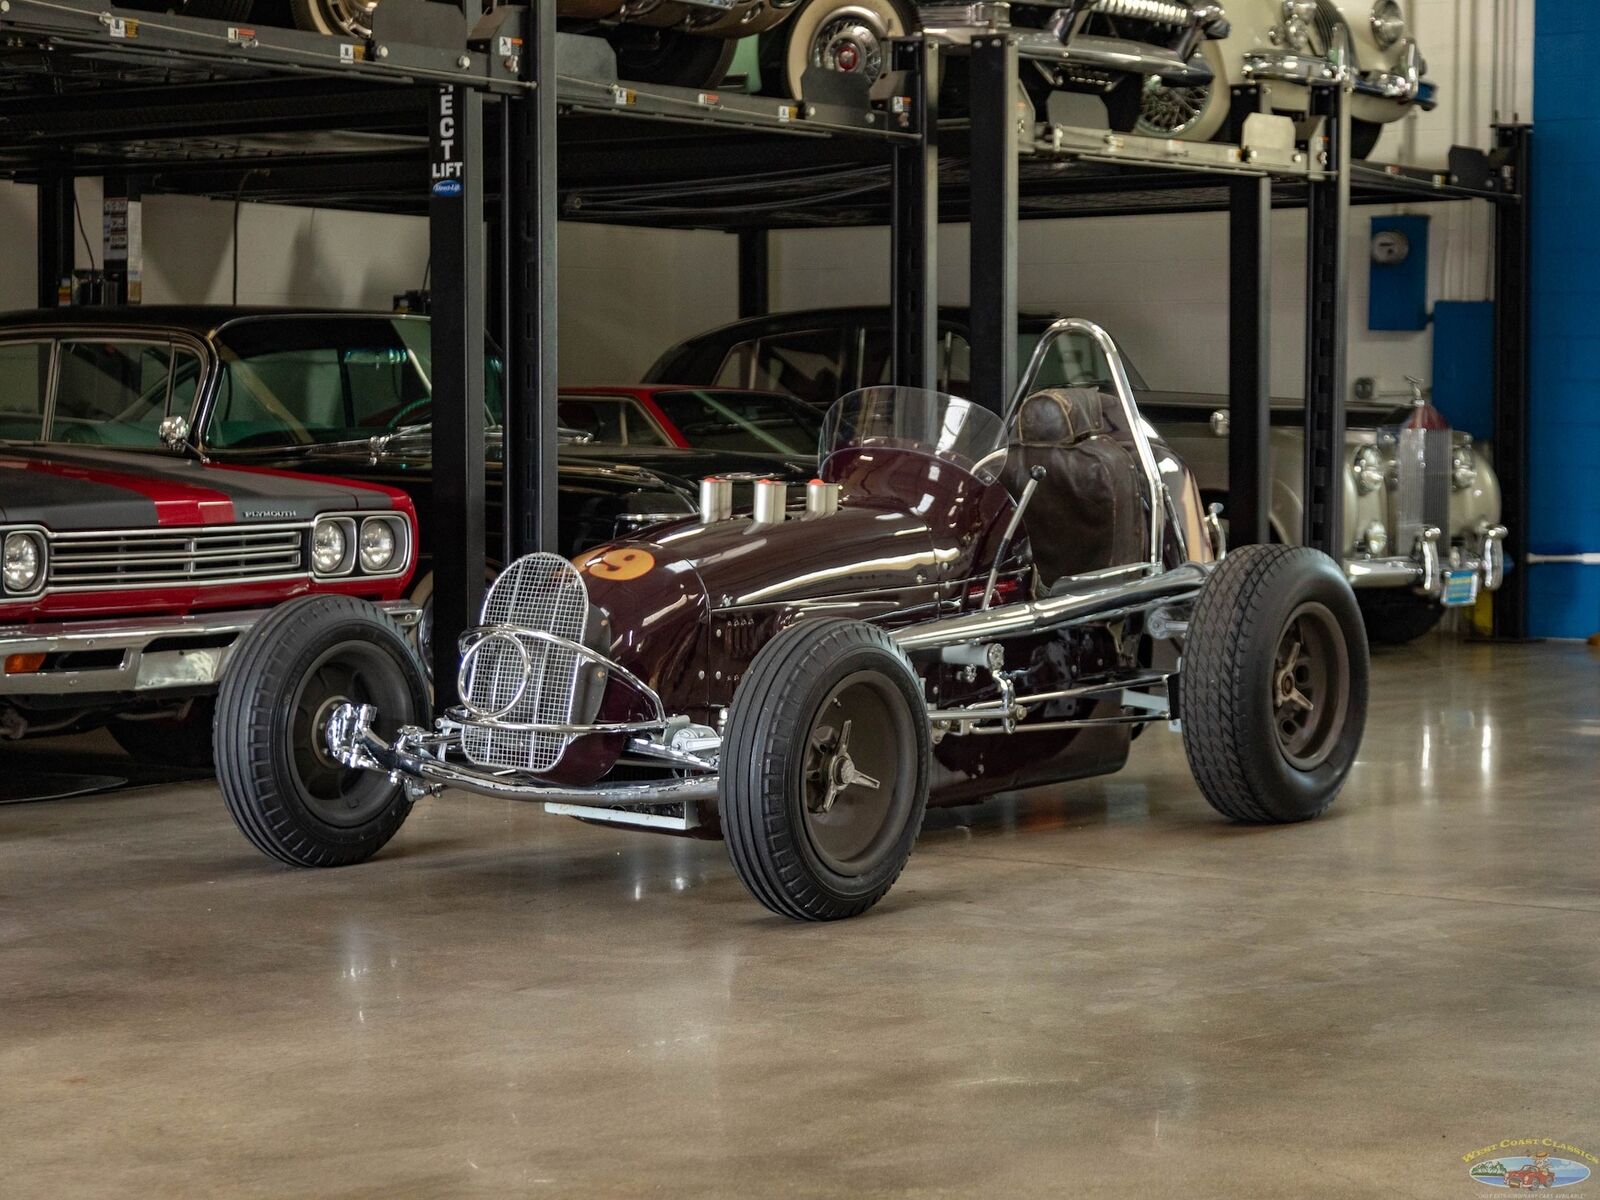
<point>1059,417</point>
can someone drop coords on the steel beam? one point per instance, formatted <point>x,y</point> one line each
<point>455,230</point>
<point>57,220</point>
<point>1327,322</point>
<point>1249,501</point>
<point>529,191</point>
<point>914,225</point>
<point>993,250</point>
<point>1511,304</point>
<point>755,272</point>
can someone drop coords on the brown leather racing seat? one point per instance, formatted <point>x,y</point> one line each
<point>1088,511</point>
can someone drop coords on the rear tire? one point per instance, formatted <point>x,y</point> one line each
<point>1395,616</point>
<point>825,769</point>
<point>1273,693</point>
<point>288,796</point>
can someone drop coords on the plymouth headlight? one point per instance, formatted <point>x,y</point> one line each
<point>1388,23</point>
<point>1374,540</point>
<point>1298,34</point>
<point>1304,11</point>
<point>329,547</point>
<point>24,562</point>
<point>378,545</point>
<point>1367,470</point>
<point>1463,468</point>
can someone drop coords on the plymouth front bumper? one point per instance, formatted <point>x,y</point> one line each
<point>143,656</point>
<point>1429,573</point>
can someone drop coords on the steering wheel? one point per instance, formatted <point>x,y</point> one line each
<point>406,410</point>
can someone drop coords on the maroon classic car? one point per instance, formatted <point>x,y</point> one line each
<point>965,604</point>
<point>128,577</point>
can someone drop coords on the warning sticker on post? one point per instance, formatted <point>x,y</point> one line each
<point>445,157</point>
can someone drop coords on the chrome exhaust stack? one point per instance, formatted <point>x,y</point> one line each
<point>822,498</point>
<point>772,501</point>
<point>716,499</point>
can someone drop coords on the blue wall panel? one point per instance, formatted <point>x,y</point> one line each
<point>1564,414</point>
<point>1463,364</point>
<point>1397,298</point>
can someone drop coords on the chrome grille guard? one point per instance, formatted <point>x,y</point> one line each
<point>467,714</point>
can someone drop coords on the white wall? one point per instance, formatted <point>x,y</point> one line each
<point>1159,284</point>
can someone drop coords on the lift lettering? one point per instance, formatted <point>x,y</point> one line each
<point>445,169</point>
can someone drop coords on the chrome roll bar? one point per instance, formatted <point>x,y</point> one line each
<point>1123,387</point>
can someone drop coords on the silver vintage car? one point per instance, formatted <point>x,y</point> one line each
<point>1421,506</point>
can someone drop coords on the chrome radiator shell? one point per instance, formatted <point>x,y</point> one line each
<point>508,679</point>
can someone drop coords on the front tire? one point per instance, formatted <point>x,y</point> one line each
<point>825,769</point>
<point>1273,693</point>
<point>1395,616</point>
<point>284,790</point>
<point>334,18</point>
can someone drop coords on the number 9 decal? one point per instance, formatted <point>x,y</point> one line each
<point>620,565</point>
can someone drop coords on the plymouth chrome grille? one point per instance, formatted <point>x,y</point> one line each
<point>509,678</point>
<point>1159,12</point>
<point>213,554</point>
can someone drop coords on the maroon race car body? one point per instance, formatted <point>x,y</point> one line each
<point>965,603</point>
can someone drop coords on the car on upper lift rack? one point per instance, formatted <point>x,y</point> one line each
<point>1421,508</point>
<point>1164,68</point>
<point>971,603</point>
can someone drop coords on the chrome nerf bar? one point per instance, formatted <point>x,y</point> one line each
<point>352,740</point>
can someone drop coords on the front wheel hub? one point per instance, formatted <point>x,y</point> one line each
<point>851,45</point>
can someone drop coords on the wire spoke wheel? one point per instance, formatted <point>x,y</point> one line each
<point>336,18</point>
<point>1166,111</point>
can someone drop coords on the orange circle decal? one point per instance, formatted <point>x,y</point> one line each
<point>620,565</point>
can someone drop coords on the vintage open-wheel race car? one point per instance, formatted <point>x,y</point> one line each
<point>969,603</point>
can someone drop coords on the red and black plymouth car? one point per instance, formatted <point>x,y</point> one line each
<point>127,578</point>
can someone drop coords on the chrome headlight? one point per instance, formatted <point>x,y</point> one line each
<point>1388,23</point>
<point>379,545</point>
<point>1374,540</point>
<point>24,563</point>
<point>1463,468</point>
<point>1304,11</point>
<point>330,546</point>
<point>1368,470</point>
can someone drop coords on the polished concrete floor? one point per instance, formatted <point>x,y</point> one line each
<point>1096,990</point>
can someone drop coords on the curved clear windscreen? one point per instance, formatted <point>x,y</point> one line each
<point>949,428</point>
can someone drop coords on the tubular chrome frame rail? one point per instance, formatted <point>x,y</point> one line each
<point>428,761</point>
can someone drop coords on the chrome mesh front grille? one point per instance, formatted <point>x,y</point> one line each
<point>211,554</point>
<point>1422,484</point>
<point>522,680</point>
